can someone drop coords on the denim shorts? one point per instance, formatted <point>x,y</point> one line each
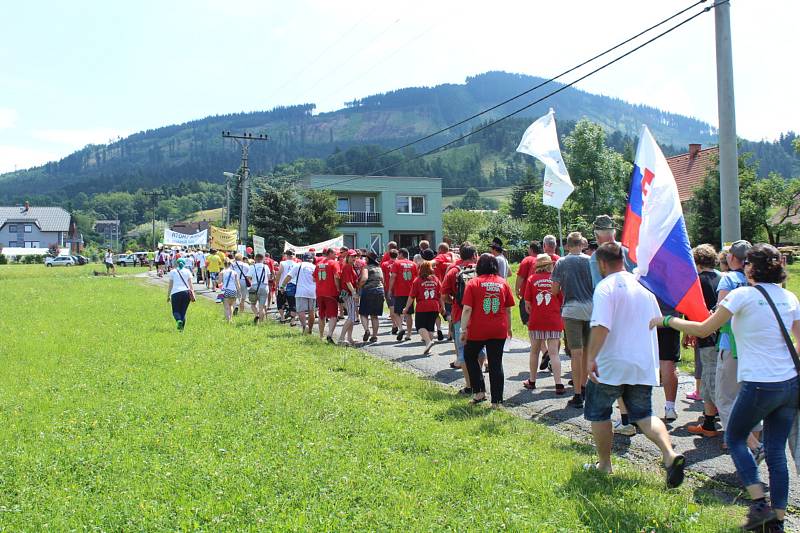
<point>600,400</point>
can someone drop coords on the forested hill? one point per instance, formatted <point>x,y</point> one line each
<point>196,151</point>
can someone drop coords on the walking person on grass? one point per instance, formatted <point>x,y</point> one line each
<point>258,293</point>
<point>241,268</point>
<point>486,323</point>
<point>544,320</point>
<point>181,292</point>
<point>229,283</point>
<point>622,360</point>
<point>426,294</point>
<point>761,317</point>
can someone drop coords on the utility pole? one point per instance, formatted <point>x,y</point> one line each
<point>153,195</point>
<point>731,229</point>
<point>244,141</point>
<point>228,177</point>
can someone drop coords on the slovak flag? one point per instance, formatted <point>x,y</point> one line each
<point>655,233</point>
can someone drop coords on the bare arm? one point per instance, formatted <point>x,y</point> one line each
<point>555,289</point>
<point>796,333</point>
<point>518,286</point>
<point>596,340</point>
<point>362,278</point>
<point>466,313</point>
<point>698,329</point>
<point>392,275</point>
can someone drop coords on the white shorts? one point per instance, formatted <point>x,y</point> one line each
<point>305,305</point>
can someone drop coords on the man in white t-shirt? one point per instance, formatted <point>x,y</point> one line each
<point>200,257</point>
<point>258,293</point>
<point>286,307</point>
<point>622,359</point>
<point>302,275</point>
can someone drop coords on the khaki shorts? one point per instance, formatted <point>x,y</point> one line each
<point>576,332</point>
<point>708,358</point>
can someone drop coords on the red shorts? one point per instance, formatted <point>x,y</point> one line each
<point>328,307</point>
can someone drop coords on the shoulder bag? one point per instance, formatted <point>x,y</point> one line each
<point>794,434</point>
<point>191,290</point>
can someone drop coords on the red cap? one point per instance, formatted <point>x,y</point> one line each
<point>311,250</point>
<point>352,252</point>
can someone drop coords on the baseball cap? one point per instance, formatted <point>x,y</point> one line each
<point>308,257</point>
<point>739,249</point>
<point>352,252</point>
<point>604,222</point>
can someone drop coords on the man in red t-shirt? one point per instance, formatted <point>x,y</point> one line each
<point>272,265</point>
<point>386,268</point>
<point>523,273</point>
<point>401,278</point>
<point>391,245</point>
<point>549,247</point>
<point>449,289</point>
<point>327,275</point>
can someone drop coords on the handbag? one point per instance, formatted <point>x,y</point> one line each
<point>794,434</point>
<point>191,291</point>
<point>291,289</point>
<point>246,279</point>
<point>227,292</point>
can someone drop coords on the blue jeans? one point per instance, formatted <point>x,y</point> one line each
<point>776,404</point>
<point>180,303</point>
<point>600,400</point>
<point>460,347</point>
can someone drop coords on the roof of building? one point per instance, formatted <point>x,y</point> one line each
<point>46,218</point>
<point>691,168</point>
<point>354,183</point>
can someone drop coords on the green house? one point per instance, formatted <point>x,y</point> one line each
<point>379,209</point>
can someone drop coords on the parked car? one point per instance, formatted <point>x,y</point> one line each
<point>80,260</point>
<point>138,258</point>
<point>61,260</point>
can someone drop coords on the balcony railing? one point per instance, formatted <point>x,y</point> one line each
<point>363,218</point>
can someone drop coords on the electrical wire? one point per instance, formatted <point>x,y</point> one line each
<point>538,100</point>
<point>538,86</point>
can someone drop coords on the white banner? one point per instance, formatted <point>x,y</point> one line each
<point>541,141</point>
<point>336,242</point>
<point>182,239</point>
<point>258,245</point>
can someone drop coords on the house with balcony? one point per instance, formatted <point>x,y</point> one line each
<point>37,228</point>
<point>379,209</point>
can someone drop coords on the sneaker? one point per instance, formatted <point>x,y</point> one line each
<point>235,311</point>
<point>545,361</point>
<point>365,338</point>
<point>700,430</point>
<point>439,335</point>
<point>330,340</point>
<point>675,472</point>
<point>759,514</point>
<point>560,389</point>
<point>255,320</point>
<point>629,430</point>
<point>400,335</point>
<point>670,415</point>
<point>694,396</point>
<point>394,331</point>
<point>180,325</point>
<point>528,384</point>
<point>576,402</point>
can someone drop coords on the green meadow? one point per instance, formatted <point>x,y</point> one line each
<point>110,419</point>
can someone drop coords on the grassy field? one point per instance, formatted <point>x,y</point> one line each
<point>501,195</point>
<point>112,420</point>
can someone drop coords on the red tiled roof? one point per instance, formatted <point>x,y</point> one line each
<point>690,172</point>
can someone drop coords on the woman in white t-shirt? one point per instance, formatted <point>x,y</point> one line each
<point>181,293</point>
<point>229,285</point>
<point>767,374</point>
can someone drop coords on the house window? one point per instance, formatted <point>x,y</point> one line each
<point>349,240</point>
<point>343,205</point>
<point>12,244</point>
<point>12,228</point>
<point>28,228</point>
<point>31,244</point>
<point>369,204</point>
<point>411,205</point>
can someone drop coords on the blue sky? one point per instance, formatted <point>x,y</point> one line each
<point>88,71</point>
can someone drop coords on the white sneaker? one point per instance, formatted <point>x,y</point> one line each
<point>629,430</point>
<point>670,415</point>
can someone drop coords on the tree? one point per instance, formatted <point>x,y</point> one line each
<point>276,216</point>
<point>461,225</point>
<point>599,173</point>
<point>509,230</point>
<point>319,215</point>
<point>775,192</point>
<point>529,183</point>
<point>472,201</point>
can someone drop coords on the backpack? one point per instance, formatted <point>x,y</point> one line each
<point>463,277</point>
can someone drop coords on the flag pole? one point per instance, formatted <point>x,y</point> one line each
<point>560,238</point>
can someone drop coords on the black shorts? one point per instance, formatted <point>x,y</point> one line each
<point>523,312</point>
<point>669,344</point>
<point>400,304</point>
<point>425,320</point>
<point>371,303</point>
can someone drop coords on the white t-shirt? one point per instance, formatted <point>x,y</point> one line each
<point>259,271</point>
<point>190,261</point>
<point>201,259</point>
<point>241,269</point>
<point>630,354</point>
<point>303,276</point>
<point>760,348</point>
<point>178,285</point>
<point>285,267</point>
<point>108,258</point>
<point>502,266</point>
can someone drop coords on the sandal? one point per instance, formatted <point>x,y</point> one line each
<point>365,338</point>
<point>373,339</point>
<point>560,389</point>
<point>454,365</point>
<point>476,401</point>
<point>465,390</point>
<point>530,385</point>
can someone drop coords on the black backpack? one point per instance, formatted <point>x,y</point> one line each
<point>465,274</point>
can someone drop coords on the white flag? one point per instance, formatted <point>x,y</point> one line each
<point>541,141</point>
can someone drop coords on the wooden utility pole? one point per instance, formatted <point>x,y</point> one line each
<point>244,141</point>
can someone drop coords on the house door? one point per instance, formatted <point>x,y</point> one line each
<point>349,240</point>
<point>369,204</point>
<point>376,243</point>
<point>410,240</point>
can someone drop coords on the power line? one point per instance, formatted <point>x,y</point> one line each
<point>538,86</point>
<point>539,100</point>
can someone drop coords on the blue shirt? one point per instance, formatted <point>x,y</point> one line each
<point>594,266</point>
<point>731,280</point>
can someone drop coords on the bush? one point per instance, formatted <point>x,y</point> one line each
<point>32,259</point>
<point>3,260</point>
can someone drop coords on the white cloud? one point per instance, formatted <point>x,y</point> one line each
<point>8,117</point>
<point>16,158</point>
<point>78,138</point>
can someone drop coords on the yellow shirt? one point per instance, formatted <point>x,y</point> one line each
<point>213,263</point>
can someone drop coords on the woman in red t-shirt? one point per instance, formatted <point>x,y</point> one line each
<point>544,324</point>
<point>426,291</point>
<point>486,322</point>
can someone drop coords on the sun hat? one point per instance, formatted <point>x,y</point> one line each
<point>604,222</point>
<point>543,260</point>
<point>497,244</point>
